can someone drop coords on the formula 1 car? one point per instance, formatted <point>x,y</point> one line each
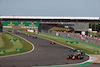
<point>79,52</point>
<point>73,50</point>
<point>52,43</point>
<point>34,37</point>
<point>75,57</point>
<point>29,35</point>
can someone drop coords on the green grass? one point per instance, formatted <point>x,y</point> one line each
<point>6,43</point>
<point>15,44</point>
<point>86,47</point>
<point>10,47</point>
<point>1,42</point>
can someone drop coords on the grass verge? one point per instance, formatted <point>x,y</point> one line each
<point>10,47</point>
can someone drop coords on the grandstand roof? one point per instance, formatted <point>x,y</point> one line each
<point>48,17</point>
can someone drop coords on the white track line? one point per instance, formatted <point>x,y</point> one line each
<point>90,58</point>
<point>20,53</point>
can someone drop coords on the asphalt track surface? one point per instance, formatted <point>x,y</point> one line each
<point>44,54</point>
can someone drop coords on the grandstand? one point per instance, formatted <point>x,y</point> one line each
<point>80,24</point>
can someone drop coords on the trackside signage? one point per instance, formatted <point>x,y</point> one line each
<point>32,24</point>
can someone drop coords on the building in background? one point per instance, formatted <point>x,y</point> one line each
<point>77,24</point>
